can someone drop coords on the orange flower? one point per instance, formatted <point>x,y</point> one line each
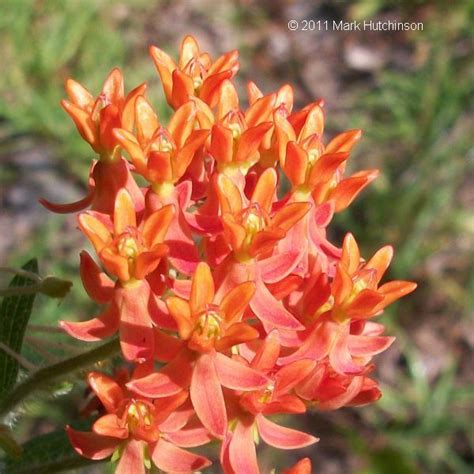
<point>162,155</point>
<point>130,253</point>
<point>95,119</point>
<point>249,228</point>
<point>127,251</point>
<point>195,74</point>
<point>237,136</point>
<point>207,329</point>
<point>139,430</point>
<point>314,169</point>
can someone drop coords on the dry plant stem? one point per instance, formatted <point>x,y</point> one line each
<point>46,375</point>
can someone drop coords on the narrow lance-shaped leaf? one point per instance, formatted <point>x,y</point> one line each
<point>15,312</point>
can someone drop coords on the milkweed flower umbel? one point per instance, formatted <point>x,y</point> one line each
<point>231,303</point>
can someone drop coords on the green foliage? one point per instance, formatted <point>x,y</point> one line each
<point>45,454</point>
<point>43,43</point>
<point>15,313</point>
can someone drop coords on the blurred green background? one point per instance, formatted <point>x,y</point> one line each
<point>411,92</point>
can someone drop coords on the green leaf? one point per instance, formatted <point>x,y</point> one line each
<point>15,312</point>
<point>45,454</point>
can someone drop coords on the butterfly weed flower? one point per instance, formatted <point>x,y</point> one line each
<point>231,303</point>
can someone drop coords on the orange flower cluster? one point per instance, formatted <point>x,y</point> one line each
<point>230,302</point>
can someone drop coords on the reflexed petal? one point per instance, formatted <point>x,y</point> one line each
<point>170,458</point>
<point>267,308</point>
<point>96,329</point>
<point>166,346</point>
<point>278,266</point>
<point>341,359</point>
<point>281,437</point>
<point>237,376</point>
<point>68,208</point>
<point>96,283</point>
<point>316,346</point>
<point>267,354</point>
<point>290,375</point>
<point>242,453</point>
<point>131,460</point>
<point>207,398</point>
<point>91,445</point>
<point>190,438</point>
<point>170,380</point>
<point>137,338</point>
<point>363,346</point>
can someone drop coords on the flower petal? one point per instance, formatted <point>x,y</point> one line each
<point>363,346</point>
<point>236,301</point>
<point>96,329</point>
<point>190,438</point>
<point>96,282</point>
<point>202,288</point>
<point>281,437</point>
<point>237,376</point>
<point>107,390</point>
<point>110,425</point>
<point>132,458</point>
<point>170,380</point>
<point>170,458</point>
<point>242,453</point>
<point>206,396</point>
<point>91,445</point>
<point>267,308</point>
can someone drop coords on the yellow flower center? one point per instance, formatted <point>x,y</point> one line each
<point>138,414</point>
<point>267,393</point>
<point>313,156</point>
<point>128,247</point>
<point>254,219</point>
<point>209,325</point>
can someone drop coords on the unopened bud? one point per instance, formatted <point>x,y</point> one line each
<point>55,287</point>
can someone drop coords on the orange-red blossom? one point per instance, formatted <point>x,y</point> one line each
<point>216,270</point>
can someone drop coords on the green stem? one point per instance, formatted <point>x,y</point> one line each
<point>22,273</point>
<point>20,290</point>
<point>46,375</point>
